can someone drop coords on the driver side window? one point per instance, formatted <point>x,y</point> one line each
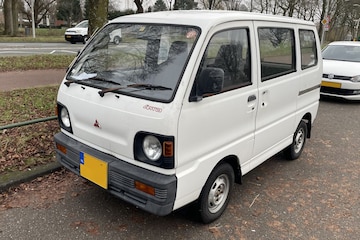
<point>228,52</point>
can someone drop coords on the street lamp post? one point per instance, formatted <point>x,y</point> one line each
<point>327,18</point>
<point>33,17</point>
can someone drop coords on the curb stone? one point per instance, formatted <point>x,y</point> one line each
<point>15,178</point>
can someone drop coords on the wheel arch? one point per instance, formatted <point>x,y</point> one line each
<point>233,161</point>
<point>308,120</point>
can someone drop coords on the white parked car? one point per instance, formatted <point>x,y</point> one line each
<point>79,33</point>
<point>341,70</point>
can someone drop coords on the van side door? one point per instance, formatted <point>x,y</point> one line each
<point>218,121</point>
<point>278,81</point>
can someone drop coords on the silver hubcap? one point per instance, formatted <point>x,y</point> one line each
<point>218,193</point>
<point>299,140</point>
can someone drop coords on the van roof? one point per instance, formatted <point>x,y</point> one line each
<point>203,18</point>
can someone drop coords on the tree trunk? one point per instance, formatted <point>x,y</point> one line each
<point>8,17</point>
<point>14,15</point>
<point>98,14</point>
<point>139,6</point>
<point>11,10</point>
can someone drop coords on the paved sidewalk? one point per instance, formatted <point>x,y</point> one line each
<point>31,78</point>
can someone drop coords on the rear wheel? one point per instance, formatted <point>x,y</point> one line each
<point>117,40</point>
<point>294,151</point>
<point>215,195</point>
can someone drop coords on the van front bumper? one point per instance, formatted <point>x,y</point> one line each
<point>122,176</point>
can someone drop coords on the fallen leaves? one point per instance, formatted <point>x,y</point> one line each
<point>43,191</point>
<point>28,146</point>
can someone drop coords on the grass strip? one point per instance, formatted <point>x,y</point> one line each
<point>33,62</point>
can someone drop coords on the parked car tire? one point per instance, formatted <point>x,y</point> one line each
<point>85,39</point>
<point>294,151</point>
<point>215,195</point>
<point>117,40</point>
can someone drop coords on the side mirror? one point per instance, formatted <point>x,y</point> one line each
<point>210,81</point>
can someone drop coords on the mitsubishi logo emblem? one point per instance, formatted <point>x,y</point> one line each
<point>96,124</point>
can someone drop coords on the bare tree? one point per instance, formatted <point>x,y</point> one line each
<point>211,4</point>
<point>41,9</point>
<point>233,4</point>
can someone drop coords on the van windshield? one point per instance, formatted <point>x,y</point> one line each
<point>122,57</point>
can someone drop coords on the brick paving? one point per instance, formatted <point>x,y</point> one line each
<point>31,78</point>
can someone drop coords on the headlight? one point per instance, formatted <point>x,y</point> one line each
<point>64,117</point>
<point>356,78</point>
<point>152,148</point>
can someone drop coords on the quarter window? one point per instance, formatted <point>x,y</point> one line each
<point>309,56</point>
<point>277,52</point>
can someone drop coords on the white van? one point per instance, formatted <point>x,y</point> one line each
<point>187,103</point>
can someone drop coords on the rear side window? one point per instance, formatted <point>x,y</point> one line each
<point>277,52</point>
<point>309,55</point>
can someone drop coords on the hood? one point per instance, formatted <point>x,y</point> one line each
<point>341,68</point>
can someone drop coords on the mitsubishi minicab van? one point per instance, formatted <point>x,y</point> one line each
<point>186,104</point>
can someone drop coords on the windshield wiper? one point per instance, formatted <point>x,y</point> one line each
<point>68,82</point>
<point>135,85</point>
<point>148,86</point>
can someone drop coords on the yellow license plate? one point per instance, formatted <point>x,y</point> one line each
<point>94,169</point>
<point>330,84</point>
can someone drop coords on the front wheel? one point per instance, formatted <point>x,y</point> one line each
<point>294,151</point>
<point>215,195</point>
<point>85,38</point>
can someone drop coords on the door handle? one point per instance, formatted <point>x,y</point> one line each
<point>251,98</point>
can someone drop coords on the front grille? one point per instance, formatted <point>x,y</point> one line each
<point>338,77</point>
<point>119,181</point>
<point>339,91</point>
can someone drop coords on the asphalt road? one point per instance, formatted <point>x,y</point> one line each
<point>23,49</point>
<point>314,197</point>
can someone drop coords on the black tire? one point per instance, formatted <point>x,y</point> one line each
<point>215,195</point>
<point>85,38</point>
<point>294,151</point>
<point>117,40</point>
